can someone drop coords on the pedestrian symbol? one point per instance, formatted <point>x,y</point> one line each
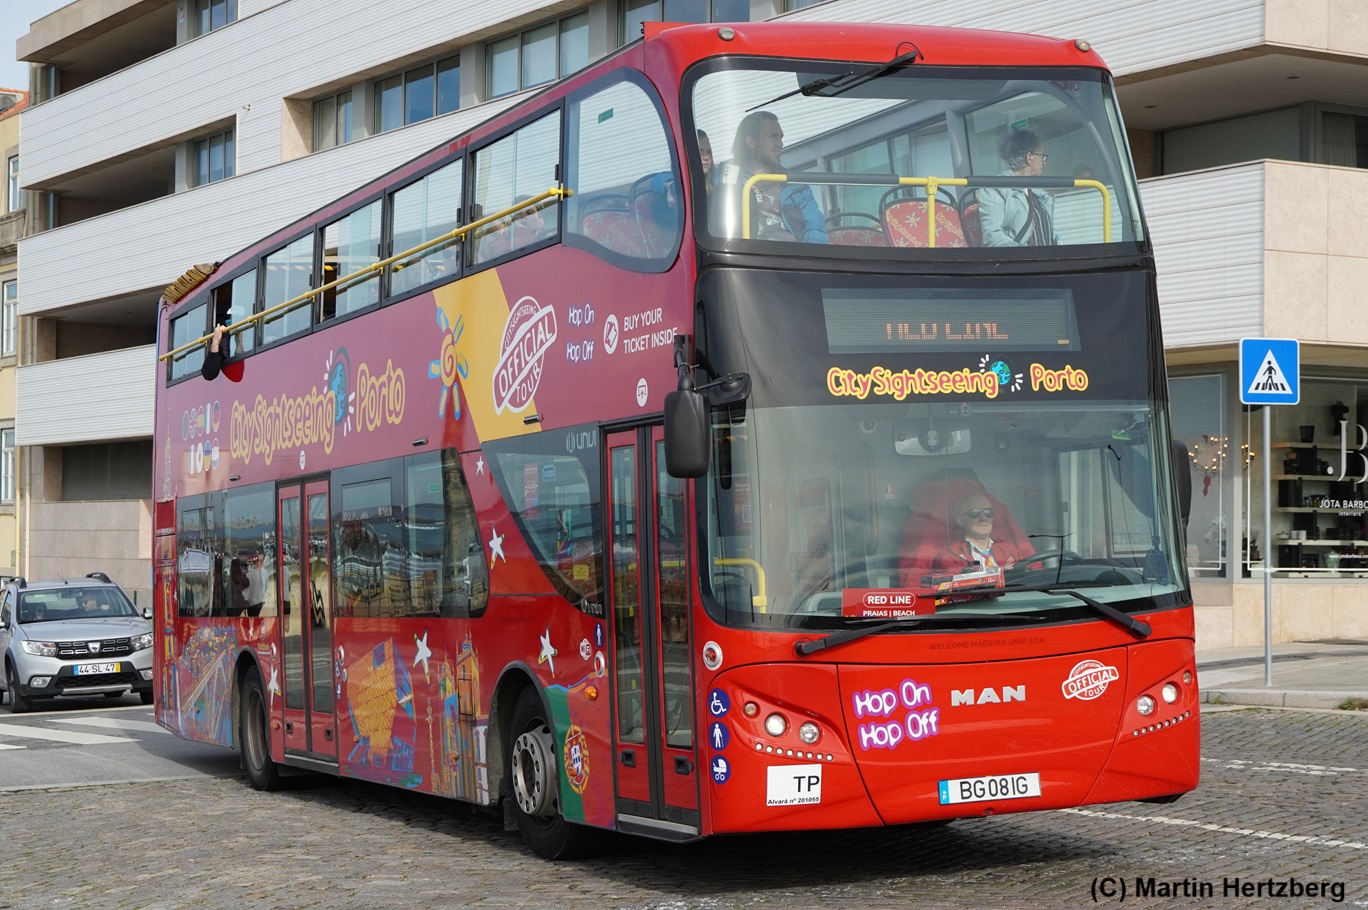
<point>1270,371</point>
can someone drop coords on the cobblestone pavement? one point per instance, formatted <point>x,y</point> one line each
<point>1283,799</point>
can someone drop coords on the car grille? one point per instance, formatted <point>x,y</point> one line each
<point>109,647</point>
<point>67,683</point>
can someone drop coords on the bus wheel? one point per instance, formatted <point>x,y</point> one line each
<point>253,738</point>
<point>532,769</point>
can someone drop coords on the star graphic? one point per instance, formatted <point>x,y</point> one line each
<point>424,653</point>
<point>274,685</point>
<point>496,548</point>
<point>548,653</point>
<point>479,465</point>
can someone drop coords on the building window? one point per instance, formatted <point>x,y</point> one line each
<point>1344,140</point>
<point>791,5</point>
<point>212,14</point>
<point>1198,408</point>
<point>9,309</point>
<point>13,200</point>
<point>7,465</point>
<point>214,159</point>
<point>332,121</point>
<point>418,94</point>
<point>636,12</point>
<point>538,55</point>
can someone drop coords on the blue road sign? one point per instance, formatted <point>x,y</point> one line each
<point>1270,371</point>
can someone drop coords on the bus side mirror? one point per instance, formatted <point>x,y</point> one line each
<point>686,433</point>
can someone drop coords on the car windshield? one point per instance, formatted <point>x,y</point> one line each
<point>73,603</point>
<point>1006,157</point>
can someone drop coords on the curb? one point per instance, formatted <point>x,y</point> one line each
<point>1278,698</point>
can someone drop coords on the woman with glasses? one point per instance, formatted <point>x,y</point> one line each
<point>957,527</point>
<point>1018,215</point>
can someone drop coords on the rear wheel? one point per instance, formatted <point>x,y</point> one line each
<point>146,696</point>
<point>19,702</point>
<point>254,739</point>
<point>535,786</point>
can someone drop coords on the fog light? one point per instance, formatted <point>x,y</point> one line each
<point>1145,705</point>
<point>1169,693</point>
<point>809,733</point>
<point>146,674</point>
<point>776,725</point>
<point>39,682</point>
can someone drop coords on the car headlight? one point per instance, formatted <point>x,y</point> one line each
<point>141,641</point>
<point>41,648</point>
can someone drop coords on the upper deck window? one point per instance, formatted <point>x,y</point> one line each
<point>512,170</point>
<point>424,211</point>
<point>626,187</point>
<point>1008,157</point>
<point>350,244</point>
<point>185,328</point>
<point>288,271</point>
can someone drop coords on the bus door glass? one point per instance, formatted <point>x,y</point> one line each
<point>655,747</point>
<point>306,619</point>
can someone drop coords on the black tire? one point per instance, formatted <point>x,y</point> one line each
<point>146,696</point>
<point>19,702</point>
<point>533,768</point>
<point>254,738</point>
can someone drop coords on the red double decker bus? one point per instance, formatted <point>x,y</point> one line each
<point>763,429</point>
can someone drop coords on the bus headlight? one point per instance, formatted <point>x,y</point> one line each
<point>776,725</point>
<point>809,733</point>
<point>1169,693</point>
<point>1145,705</point>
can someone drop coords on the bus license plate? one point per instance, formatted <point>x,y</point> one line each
<point>96,669</point>
<point>992,787</point>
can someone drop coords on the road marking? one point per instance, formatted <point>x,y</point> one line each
<point>113,723</point>
<point>1244,764</point>
<point>71,737</point>
<point>1223,829</point>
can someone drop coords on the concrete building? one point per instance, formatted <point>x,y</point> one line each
<point>12,225</point>
<point>1247,119</point>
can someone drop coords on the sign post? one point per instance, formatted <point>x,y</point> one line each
<point>1270,374</point>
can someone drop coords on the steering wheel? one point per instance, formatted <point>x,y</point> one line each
<point>1043,562</point>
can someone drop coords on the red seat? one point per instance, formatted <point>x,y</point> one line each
<point>857,236</point>
<point>905,222</point>
<point>614,230</point>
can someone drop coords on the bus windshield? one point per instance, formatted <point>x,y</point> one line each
<point>920,156</point>
<point>961,434</point>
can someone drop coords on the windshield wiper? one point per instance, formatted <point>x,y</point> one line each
<point>1137,627</point>
<point>831,86</point>
<point>811,645</point>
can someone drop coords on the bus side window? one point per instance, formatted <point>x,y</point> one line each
<point>186,328</point>
<point>511,171</point>
<point>627,198</point>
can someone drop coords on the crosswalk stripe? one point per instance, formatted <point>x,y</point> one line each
<point>71,737</point>
<point>114,723</point>
<point>4,746</point>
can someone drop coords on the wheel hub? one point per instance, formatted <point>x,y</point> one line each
<point>534,776</point>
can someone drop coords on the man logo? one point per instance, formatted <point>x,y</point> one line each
<point>987,696</point>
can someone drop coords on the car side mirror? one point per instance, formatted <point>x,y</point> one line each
<point>147,613</point>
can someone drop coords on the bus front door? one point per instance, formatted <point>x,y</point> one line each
<point>305,612</point>
<point>655,753</point>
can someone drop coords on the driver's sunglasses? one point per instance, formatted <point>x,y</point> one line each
<point>976,514</point>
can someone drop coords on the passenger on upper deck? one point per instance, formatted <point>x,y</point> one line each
<point>1018,216</point>
<point>957,526</point>
<point>213,357</point>
<point>785,211</point>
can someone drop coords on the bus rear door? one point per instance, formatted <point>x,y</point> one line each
<point>305,612</point>
<point>655,747</point>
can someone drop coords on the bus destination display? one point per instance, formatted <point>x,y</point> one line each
<point>868,321</point>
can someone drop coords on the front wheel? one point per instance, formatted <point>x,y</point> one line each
<point>19,702</point>
<point>254,740</point>
<point>534,787</point>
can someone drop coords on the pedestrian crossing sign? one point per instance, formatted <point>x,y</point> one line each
<point>1270,371</point>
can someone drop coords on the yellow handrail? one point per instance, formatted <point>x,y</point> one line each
<point>931,184</point>
<point>309,295</point>
<point>761,599</point>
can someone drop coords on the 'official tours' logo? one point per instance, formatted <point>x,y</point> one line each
<point>528,334</point>
<point>1088,680</point>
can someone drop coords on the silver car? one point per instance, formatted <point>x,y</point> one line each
<point>82,637</point>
